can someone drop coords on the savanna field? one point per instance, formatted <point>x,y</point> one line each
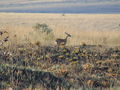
<point>59,51</point>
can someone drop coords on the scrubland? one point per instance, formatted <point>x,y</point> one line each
<point>30,58</point>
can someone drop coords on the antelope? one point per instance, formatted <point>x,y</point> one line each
<point>63,41</point>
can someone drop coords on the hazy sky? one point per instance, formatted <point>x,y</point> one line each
<point>61,6</point>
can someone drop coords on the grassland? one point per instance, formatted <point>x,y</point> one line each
<point>30,59</point>
<point>90,29</point>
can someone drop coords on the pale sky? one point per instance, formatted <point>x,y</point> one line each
<point>60,6</point>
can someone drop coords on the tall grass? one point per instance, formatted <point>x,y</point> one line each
<point>24,33</point>
<point>91,29</point>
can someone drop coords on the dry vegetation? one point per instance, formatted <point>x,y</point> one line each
<point>30,59</point>
<point>90,29</point>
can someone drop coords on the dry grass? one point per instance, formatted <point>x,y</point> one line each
<point>78,37</point>
<point>89,29</point>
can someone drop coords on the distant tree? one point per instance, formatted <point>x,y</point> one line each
<point>63,14</point>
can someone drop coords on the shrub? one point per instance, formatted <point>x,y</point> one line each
<point>42,33</point>
<point>44,28</point>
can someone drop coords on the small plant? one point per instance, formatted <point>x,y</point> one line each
<point>84,44</point>
<point>37,43</point>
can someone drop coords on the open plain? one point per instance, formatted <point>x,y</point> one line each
<point>84,28</point>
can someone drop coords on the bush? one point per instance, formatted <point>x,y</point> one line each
<point>43,33</point>
<point>44,28</point>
